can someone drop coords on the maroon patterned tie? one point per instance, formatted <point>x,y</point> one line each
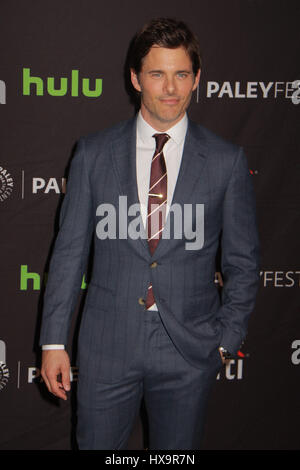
<point>157,201</point>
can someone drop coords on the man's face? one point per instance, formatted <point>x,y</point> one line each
<point>166,83</point>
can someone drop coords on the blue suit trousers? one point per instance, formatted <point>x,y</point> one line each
<point>175,395</point>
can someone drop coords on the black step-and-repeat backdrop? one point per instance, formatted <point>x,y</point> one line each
<point>62,76</point>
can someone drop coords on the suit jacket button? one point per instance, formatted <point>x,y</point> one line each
<point>153,265</point>
<point>141,301</point>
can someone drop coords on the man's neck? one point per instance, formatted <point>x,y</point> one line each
<point>157,125</point>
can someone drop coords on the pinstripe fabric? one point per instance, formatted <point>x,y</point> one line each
<point>174,391</point>
<point>114,332</point>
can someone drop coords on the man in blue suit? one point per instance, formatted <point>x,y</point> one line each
<point>157,196</point>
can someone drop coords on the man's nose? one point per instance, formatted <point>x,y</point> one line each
<point>169,85</point>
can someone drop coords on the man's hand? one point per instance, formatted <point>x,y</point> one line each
<point>224,360</point>
<point>56,362</point>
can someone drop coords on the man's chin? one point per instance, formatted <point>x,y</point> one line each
<point>163,118</point>
<point>169,118</point>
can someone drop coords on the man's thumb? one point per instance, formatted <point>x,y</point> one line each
<point>66,378</point>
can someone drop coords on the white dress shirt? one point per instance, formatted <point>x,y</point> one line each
<point>145,148</point>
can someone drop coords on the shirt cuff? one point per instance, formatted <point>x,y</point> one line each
<point>46,347</point>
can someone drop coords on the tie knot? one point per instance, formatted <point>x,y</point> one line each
<point>161,139</point>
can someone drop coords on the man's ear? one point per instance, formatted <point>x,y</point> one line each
<point>135,80</point>
<point>197,79</point>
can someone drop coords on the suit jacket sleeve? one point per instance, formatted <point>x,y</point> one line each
<point>240,255</point>
<point>70,254</point>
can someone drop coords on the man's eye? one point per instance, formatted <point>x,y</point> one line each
<point>182,75</point>
<point>155,74</point>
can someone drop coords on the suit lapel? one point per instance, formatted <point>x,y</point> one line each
<point>123,158</point>
<point>192,164</point>
<point>124,163</point>
<point>193,160</point>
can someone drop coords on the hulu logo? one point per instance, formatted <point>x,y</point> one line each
<point>74,86</point>
<point>32,281</point>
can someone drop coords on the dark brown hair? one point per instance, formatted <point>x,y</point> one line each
<point>164,32</point>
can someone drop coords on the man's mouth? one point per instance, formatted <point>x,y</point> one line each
<point>169,101</point>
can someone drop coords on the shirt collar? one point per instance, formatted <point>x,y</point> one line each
<point>177,132</point>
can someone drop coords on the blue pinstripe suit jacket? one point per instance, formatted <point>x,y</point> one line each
<point>197,317</point>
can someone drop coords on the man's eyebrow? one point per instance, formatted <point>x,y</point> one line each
<point>177,71</point>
